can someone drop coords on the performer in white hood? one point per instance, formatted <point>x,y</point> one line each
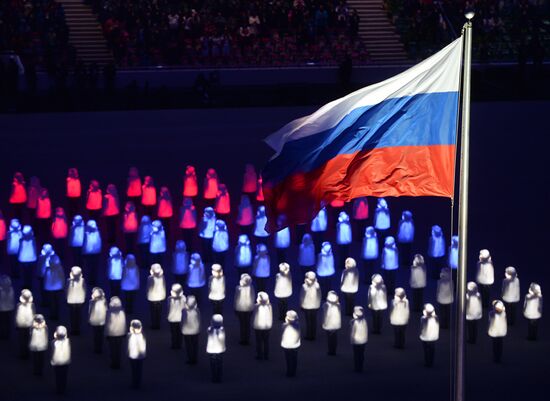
<point>115,330</point>
<point>137,351</point>
<point>190,328</point>
<point>76,298</point>
<point>399,317</point>
<point>54,282</point>
<point>319,227</point>
<point>283,289</point>
<point>24,314</point>
<point>180,262</point>
<point>130,282</point>
<point>282,239</point>
<point>325,267</point>
<point>445,296</point>
<point>176,303</point>
<point>417,282</point>
<point>115,265</point>
<point>196,279</point>
<point>243,254</point>
<point>370,251</point>
<point>38,344</point>
<point>429,333</point>
<point>244,305</point>
<point>510,293</point>
<point>310,302</point>
<point>474,311</point>
<point>261,267</point>
<point>290,341</point>
<point>157,244</point>
<point>262,323</point>
<point>405,237</point>
<point>7,306</point>
<point>359,334</point>
<point>389,262</point>
<point>377,302</point>
<point>206,232</point>
<point>61,358</point>
<point>498,328</point>
<point>382,220</point>
<point>344,237</point>
<point>532,310</point>
<point>436,251</point>
<point>349,284</point>
<point>332,320</point>
<point>306,253</point>
<point>215,347</point>
<point>216,289</point>
<point>156,294</point>
<point>97,314</point>
<point>91,250</point>
<point>220,242</point>
<point>485,276</point>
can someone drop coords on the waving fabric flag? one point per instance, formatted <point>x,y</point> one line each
<point>394,138</point>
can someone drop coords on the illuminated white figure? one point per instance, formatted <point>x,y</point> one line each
<point>97,308</point>
<point>532,310</point>
<point>377,296</point>
<point>436,245</point>
<point>130,274</point>
<point>382,215</point>
<point>39,337</point>
<point>283,282</point>
<point>369,249</point>
<point>220,242</point>
<point>261,221</point>
<point>510,287</point>
<point>332,316</point>
<point>158,238</point>
<point>27,246</point>
<point>485,270</point>
<point>115,320</point>
<point>306,253</point>
<point>445,291</point>
<point>245,217</point>
<point>137,346</point>
<point>114,264</point>
<point>290,336</point>
<point>263,312</point>
<point>190,317</point>
<point>61,347</point>
<point>282,237</point>
<point>359,335</point>
<point>243,252</point>
<point>197,276</point>
<point>176,304</point>
<point>400,313</point>
<point>349,282</point>
<point>343,229</point>
<point>24,312</point>
<point>320,223</point>
<point>215,343</point>
<point>310,294</point>
<point>216,284</point>
<point>418,272</point>
<point>92,239</point>
<point>429,323</point>
<point>76,232</point>
<point>244,294</point>
<point>405,230</point>
<point>497,320</point>
<point>208,223</point>
<point>54,278</point>
<point>76,287</point>
<point>180,259</point>
<point>14,237</point>
<point>156,284</point>
<point>261,267</point>
<point>325,261</point>
<point>144,230</point>
<point>453,253</point>
<point>474,311</point>
<point>390,255</point>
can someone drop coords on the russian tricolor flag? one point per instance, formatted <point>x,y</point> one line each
<point>394,138</point>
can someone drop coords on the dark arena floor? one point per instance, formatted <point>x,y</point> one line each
<point>508,215</point>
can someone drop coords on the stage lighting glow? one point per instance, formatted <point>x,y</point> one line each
<point>337,203</point>
<point>3,228</point>
<point>260,190</point>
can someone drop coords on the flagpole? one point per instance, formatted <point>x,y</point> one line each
<point>463,211</point>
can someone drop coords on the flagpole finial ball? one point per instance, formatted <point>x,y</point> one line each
<point>469,15</point>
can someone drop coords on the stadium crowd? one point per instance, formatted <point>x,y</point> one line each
<point>235,32</point>
<point>504,30</point>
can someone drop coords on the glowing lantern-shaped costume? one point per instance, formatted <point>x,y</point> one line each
<point>220,242</point>
<point>33,192</point>
<point>250,179</point>
<point>14,237</point>
<point>453,253</point>
<point>180,259</point>
<point>208,223</point>
<point>44,205</point>
<point>405,231</point>
<point>18,193</point>
<point>94,197</point>
<point>76,234</point>
<point>46,253</point>
<point>282,237</point>
<point>261,221</point>
<point>260,190</point>
<point>165,209</point>
<point>144,230</point>
<point>210,189</point>
<point>92,239</point>
<point>436,247</point>
<point>27,246</point>
<point>60,228</point>
<point>245,216</point>
<point>223,202</point>
<point>133,190</point>
<point>188,214</point>
<point>360,208</point>
<point>74,187</point>
<point>370,244</point>
<point>382,215</point>
<point>2,227</point>
<point>320,223</point>
<point>261,267</point>
<point>114,264</point>
<point>325,262</point>
<point>243,252</point>
<point>343,229</point>
<point>130,219</point>
<point>390,257</point>
<point>306,253</point>
<point>158,238</point>
<point>148,192</point>
<point>111,205</point>
<point>197,276</point>
<point>190,186</point>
